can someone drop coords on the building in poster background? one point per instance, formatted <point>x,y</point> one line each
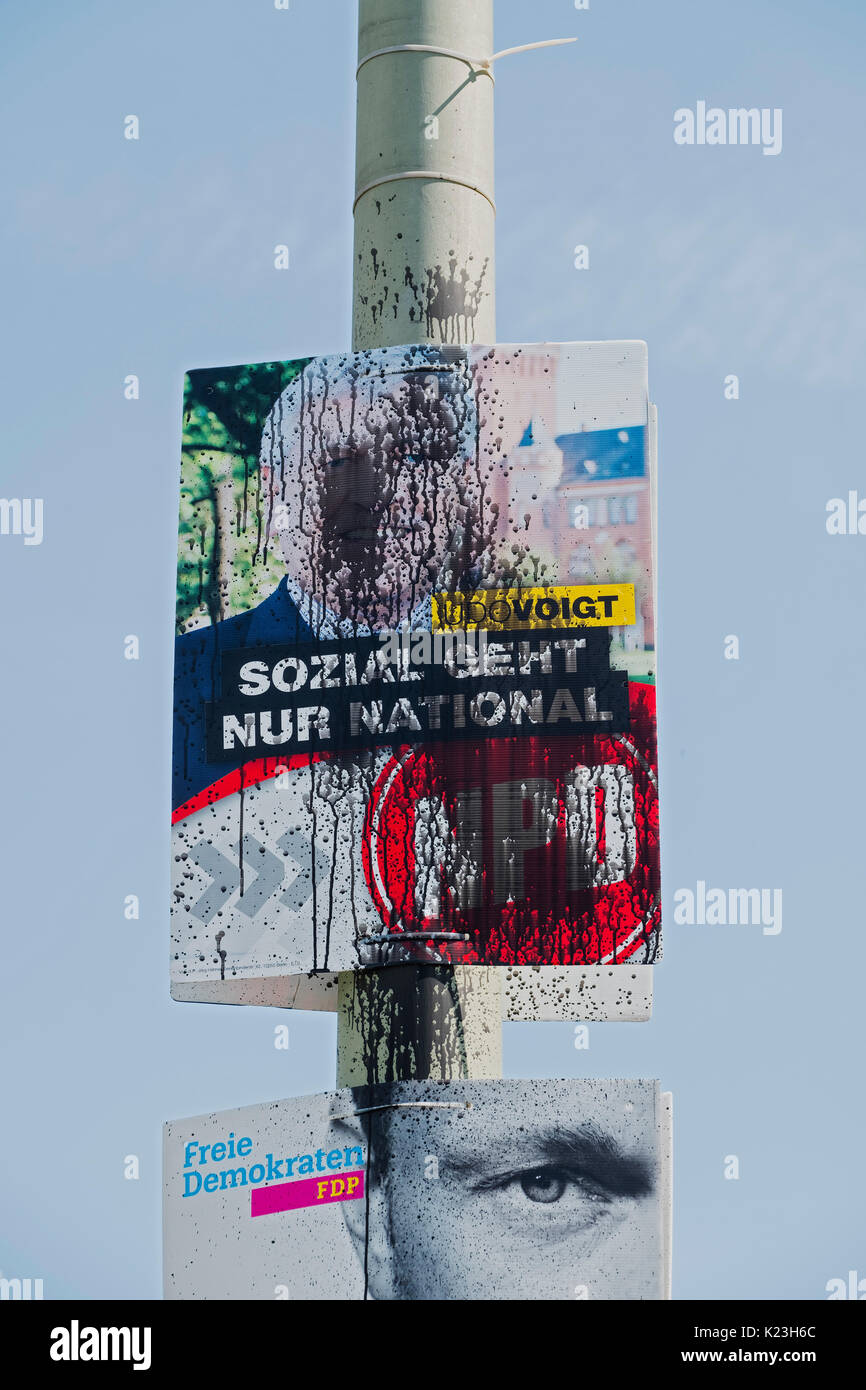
<point>424,1190</point>
<point>415,665</point>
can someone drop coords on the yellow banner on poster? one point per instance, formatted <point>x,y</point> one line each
<point>551,606</point>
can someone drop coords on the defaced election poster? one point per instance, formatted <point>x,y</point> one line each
<point>415,664</point>
<point>458,1190</point>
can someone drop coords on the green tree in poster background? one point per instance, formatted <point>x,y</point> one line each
<point>224,566</point>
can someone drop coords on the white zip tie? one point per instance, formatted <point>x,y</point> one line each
<point>525,47</point>
<point>409,1105</point>
<point>477,64</point>
<point>421,174</point>
<point>416,936</point>
<point>482,64</point>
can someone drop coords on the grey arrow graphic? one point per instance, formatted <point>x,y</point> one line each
<point>223,872</point>
<point>269,876</point>
<point>314,864</point>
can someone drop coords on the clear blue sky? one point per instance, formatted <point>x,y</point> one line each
<point>154,256</point>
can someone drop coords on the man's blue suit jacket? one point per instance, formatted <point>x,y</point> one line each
<point>196,681</point>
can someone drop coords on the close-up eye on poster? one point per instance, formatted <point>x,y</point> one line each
<point>417,575</point>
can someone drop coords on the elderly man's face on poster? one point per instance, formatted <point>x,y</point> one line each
<point>378,488</point>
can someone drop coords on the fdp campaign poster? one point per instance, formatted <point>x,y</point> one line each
<point>451,1190</point>
<point>415,664</point>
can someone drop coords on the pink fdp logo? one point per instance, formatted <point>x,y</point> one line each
<point>308,1192</point>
